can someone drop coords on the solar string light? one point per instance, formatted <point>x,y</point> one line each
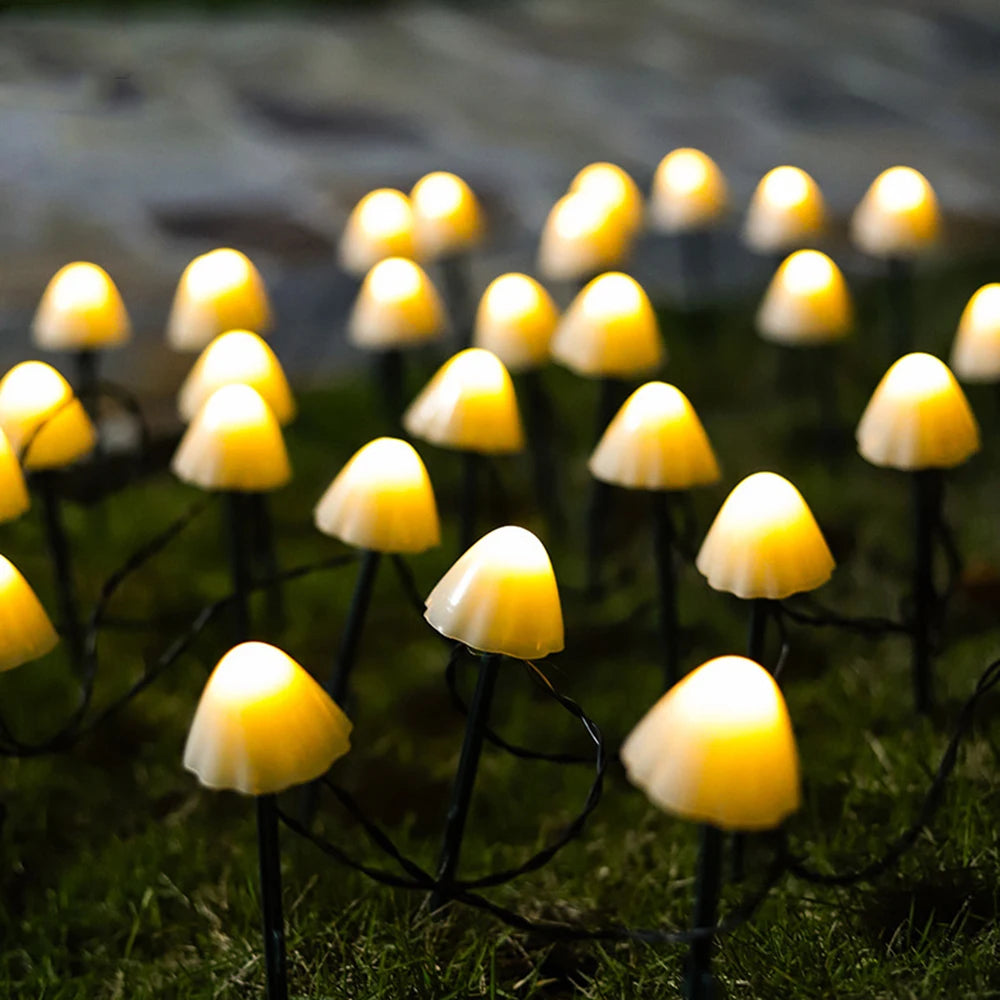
<point>807,305</point>
<point>717,749</point>
<point>610,184</point>
<point>897,221</point>
<point>786,212</point>
<point>657,443</point>
<point>500,599</point>
<point>515,320</point>
<point>469,406</point>
<point>448,226</point>
<point>220,290</point>
<point>263,725</point>
<point>688,200</point>
<point>26,631</point>
<point>975,351</point>
<point>397,309</point>
<point>82,313</point>
<point>234,446</point>
<point>381,225</point>
<point>49,429</point>
<point>609,333</point>
<point>919,421</point>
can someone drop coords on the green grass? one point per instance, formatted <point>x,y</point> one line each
<point>120,878</point>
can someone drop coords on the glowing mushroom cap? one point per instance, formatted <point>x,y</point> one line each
<point>501,597</point>
<point>609,330</point>
<point>382,500</point>
<point>918,418</point>
<point>468,405</point>
<point>689,192</point>
<point>786,211</point>
<point>238,357</point>
<point>81,309</point>
<point>609,183</point>
<point>447,217</point>
<point>25,630</point>
<point>39,412</point>
<point>381,225</point>
<point>14,500</point>
<point>806,303</point>
<point>263,724</point>
<point>583,235</point>
<point>898,216</point>
<point>515,320</point>
<point>765,542</point>
<point>718,748</point>
<point>234,443</point>
<point>975,354</point>
<point>397,306</point>
<point>220,290</point>
<point>655,442</point>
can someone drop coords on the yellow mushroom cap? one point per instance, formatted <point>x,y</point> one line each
<point>609,183</point>
<point>718,748</point>
<point>898,216</point>
<point>918,418</point>
<point>25,630</point>
<point>263,724</point>
<point>81,309</point>
<point>382,500</point>
<point>765,542</point>
<point>582,236</point>
<point>447,218</point>
<point>234,443</point>
<point>515,320</point>
<point>381,225</point>
<point>220,290</point>
<point>806,303</point>
<point>39,412</point>
<point>242,358</point>
<point>501,597</point>
<point>689,192</point>
<point>14,500</point>
<point>469,405</point>
<point>397,306</point>
<point>787,210</point>
<point>609,330</point>
<point>655,442</point>
<point>975,354</point>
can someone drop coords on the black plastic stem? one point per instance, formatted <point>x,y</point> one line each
<point>928,488</point>
<point>458,296</point>
<point>269,855</point>
<point>539,417</point>
<point>899,291</point>
<point>239,563</point>
<point>666,578</point>
<point>87,379</point>
<point>760,608</point>
<point>265,556</point>
<point>600,492</point>
<point>340,677</point>
<point>390,383</point>
<point>468,519</point>
<point>62,566</point>
<point>708,886</point>
<point>465,777</point>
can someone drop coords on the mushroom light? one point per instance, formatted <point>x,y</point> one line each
<point>786,212</point>
<point>381,225</point>
<point>975,353</point>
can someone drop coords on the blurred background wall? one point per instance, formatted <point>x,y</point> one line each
<point>137,137</point>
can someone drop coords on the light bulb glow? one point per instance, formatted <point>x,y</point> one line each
<point>898,216</point>
<point>689,192</point>
<point>515,320</point>
<point>81,309</point>
<point>807,302</point>
<point>26,633</point>
<point>608,183</point>
<point>786,211</point>
<point>397,306</point>
<point>718,748</point>
<point>381,225</point>
<point>446,215</point>
<point>582,235</point>
<point>975,354</point>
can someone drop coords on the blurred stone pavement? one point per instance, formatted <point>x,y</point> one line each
<point>138,143</point>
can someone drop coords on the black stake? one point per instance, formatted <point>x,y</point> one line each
<point>928,489</point>
<point>265,556</point>
<point>666,578</point>
<point>465,777</point>
<point>697,269</point>
<point>269,855</point>
<point>239,563</point>
<point>899,292</point>
<point>700,985</point>
<point>539,417</point>
<point>62,566</point>
<point>600,492</point>
<point>471,462</point>
<point>390,384</point>
<point>87,378</point>
<point>458,295</point>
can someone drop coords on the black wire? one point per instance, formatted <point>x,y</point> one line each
<point>823,617</point>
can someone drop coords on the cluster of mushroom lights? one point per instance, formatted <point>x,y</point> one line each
<point>718,747</point>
